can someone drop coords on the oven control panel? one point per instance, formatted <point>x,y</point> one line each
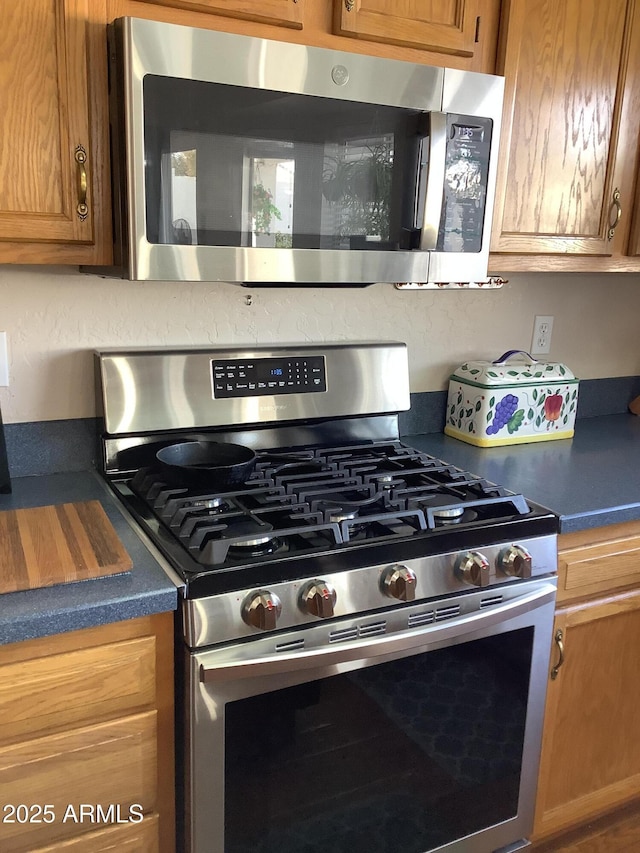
<point>416,582</point>
<point>257,377</point>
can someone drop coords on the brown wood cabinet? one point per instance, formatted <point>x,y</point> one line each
<point>569,142</point>
<point>442,27</point>
<point>428,33</point>
<point>135,838</point>
<point>283,13</point>
<point>86,745</point>
<point>634,238</point>
<point>52,158</point>
<point>591,746</point>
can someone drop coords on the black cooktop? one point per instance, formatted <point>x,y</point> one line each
<point>310,510</point>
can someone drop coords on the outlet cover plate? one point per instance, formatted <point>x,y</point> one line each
<point>541,338</point>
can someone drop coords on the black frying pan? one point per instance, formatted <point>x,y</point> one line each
<point>214,464</point>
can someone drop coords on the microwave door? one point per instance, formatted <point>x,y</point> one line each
<point>430,182</point>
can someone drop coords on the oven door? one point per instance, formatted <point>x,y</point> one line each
<point>407,741</point>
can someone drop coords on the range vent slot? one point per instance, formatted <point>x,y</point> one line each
<point>447,612</point>
<point>340,636</point>
<point>290,645</point>
<point>372,629</point>
<point>416,619</point>
<point>489,602</point>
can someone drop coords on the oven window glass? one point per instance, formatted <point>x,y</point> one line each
<point>229,166</point>
<point>407,755</point>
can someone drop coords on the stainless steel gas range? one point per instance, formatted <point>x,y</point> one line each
<point>365,629</point>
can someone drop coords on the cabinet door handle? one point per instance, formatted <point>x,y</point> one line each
<point>615,210</point>
<point>81,158</point>
<point>559,641</point>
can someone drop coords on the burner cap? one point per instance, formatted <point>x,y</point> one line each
<point>210,503</point>
<point>444,508</point>
<point>256,547</point>
<point>449,513</point>
<point>385,480</point>
<point>339,514</point>
<point>258,542</point>
<point>262,539</point>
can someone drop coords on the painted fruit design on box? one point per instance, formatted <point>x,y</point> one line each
<point>531,410</point>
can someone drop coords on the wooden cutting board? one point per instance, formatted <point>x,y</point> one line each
<point>49,545</point>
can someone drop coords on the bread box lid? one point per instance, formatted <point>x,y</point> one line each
<point>506,371</point>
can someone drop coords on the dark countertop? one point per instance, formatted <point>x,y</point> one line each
<point>590,480</point>
<point>145,590</point>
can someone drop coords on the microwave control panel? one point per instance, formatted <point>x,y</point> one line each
<point>465,183</point>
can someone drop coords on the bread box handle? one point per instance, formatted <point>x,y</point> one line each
<point>507,355</point>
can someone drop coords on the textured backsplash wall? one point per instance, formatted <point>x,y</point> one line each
<point>55,317</point>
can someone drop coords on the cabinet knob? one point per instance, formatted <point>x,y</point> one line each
<point>615,213</point>
<point>80,157</point>
<point>558,638</point>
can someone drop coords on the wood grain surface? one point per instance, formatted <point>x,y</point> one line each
<point>44,546</point>
<point>570,134</point>
<point>447,26</point>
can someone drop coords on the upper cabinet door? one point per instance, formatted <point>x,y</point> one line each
<point>284,13</point>
<point>447,26</point>
<point>45,153</point>
<point>568,144</point>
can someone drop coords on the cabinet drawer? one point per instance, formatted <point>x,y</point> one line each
<point>598,561</point>
<point>283,13</point>
<point>134,838</point>
<point>77,687</point>
<point>109,764</point>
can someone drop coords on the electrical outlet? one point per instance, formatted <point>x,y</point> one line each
<point>4,360</point>
<point>541,340</point>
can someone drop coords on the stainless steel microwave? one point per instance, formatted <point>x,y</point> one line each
<point>247,160</point>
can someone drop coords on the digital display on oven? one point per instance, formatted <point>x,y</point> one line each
<point>256,377</point>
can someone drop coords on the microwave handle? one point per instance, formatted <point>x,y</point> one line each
<point>429,189</point>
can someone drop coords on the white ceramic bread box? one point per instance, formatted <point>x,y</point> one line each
<point>512,400</point>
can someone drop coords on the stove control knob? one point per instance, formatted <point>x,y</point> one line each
<point>262,610</point>
<point>515,561</point>
<point>318,599</point>
<point>399,582</point>
<point>472,567</point>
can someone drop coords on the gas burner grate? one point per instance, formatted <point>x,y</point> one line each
<point>217,551</point>
<point>322,498</point>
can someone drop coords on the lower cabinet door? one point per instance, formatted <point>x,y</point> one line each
<point>56,788</point>
<point>591,747</point>
<point>135,838</point>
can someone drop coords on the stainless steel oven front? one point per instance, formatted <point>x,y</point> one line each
<point>411,729</point>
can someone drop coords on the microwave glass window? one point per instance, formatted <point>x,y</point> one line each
<point>228,166</point>
<point>184,217</point>
<point>271,208</point>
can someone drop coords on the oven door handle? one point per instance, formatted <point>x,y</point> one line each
<point>213,667</point>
